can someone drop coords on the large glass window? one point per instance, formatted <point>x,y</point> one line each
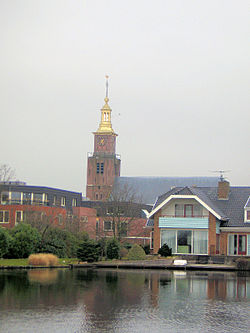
<point>169,237</point>
<point>184,241</point>
<point>16,197</point>
<point>26,198</point>
<point>37,198</point>
<point>4,197</point>
<point>200,238</point>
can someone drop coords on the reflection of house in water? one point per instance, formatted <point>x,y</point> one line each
<point>203,285</point>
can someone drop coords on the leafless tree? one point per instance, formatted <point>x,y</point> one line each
<point>7,173</point>
<point>122,207</point>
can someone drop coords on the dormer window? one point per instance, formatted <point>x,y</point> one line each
<point>188,210</point>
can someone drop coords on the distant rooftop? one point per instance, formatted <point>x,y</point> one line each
<point>149,188</point>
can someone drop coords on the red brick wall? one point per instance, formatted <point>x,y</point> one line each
<point>51,212</point>
<point>212,235</point>
<point>157,236</point>
<point>98,183</point>
<point>87,220</point>
<point>223,243</point>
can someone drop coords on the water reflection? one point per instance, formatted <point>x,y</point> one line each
<point>86,300</point>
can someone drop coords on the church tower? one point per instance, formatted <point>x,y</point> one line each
<point>103,163</point>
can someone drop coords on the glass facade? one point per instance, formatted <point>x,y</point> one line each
<point>186,241</point>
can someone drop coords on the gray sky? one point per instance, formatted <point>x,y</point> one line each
<point>179,87</point>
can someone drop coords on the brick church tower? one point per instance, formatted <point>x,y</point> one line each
<point>103,163</point>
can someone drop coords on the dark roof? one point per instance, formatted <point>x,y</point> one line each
<point>231,210</point>
<point>148,188</point>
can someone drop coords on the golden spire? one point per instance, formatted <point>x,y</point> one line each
<point>105,124</point>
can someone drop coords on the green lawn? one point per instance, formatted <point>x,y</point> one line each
<point>24,262</point>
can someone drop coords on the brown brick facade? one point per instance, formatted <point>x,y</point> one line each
<point>212,235</point>
<point>157,234</point>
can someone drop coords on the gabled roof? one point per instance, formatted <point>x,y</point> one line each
<point>148,188</point>
<point>230,212</point>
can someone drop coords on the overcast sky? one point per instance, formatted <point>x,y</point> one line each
<point>179,87</point>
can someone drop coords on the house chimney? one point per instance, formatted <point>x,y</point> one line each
<point>223,189</point>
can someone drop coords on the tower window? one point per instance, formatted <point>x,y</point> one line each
<point>96,196</point>
<point>102,167</point>
<point>97,167</point>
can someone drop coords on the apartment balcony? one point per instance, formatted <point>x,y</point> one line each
<point>199,222</point>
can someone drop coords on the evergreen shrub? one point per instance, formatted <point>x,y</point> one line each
<point>165,251</point>
<point>89,251</point>
<point>113,249</point>
<point>136,253</point>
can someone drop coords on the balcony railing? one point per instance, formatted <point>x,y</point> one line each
<point>186,217</point>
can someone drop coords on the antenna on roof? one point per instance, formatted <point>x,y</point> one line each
<point>221,172</point>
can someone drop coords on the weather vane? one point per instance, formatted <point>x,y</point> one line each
<point>107,85</point>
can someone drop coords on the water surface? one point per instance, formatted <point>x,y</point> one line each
<point>85,300</point>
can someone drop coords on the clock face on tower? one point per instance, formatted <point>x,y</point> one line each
<point>101,141</point>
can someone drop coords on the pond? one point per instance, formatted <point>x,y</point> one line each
<point>86,300</point>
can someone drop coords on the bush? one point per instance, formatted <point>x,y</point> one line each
<point>146,248</point>
<point>59,242</point>
<point>113,249</point>
<point>5,241</point>
<point>165,251</point>
<point>43,259</point>
<point>89,251</point>
<point>136,253</point>
<point>25,240</point>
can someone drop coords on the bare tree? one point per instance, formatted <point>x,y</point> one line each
<point>7,173</point>
<point>122,207</point>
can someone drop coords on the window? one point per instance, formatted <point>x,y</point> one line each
<point>26,198</point>
<point>19,216</point>
<point>124,229</point>
<point>102,168</point>
<point>4,216</point>
<point>188,210</point>
<point>197,211</point>
<point>84,219</point>
<point>179,210</point>
<point>97,167</point>
<point>37,198</point>
<point>16,198</point>
<point>60,219</point>
<point>96,196</point>
<point>63,201</point>
<point>107,225</point>
<point>237,244</point>
<point>4,197</point>
<point>74,202</point>
<point>110,211</point>
<point>186,241</point>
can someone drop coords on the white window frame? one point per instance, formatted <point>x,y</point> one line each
<point>21,215</point>
<point>4,212</point>
<point>111,226</point>
<point>63,201</point>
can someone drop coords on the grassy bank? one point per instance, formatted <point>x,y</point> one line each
<point>24,262</point>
